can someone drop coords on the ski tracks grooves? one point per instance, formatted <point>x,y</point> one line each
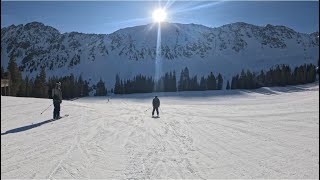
<point>159,148</point>
<point>68,166</point>
<point>60,162</point>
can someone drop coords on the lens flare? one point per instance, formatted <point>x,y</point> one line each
<point>159,15</point>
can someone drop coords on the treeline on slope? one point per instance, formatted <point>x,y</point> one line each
<point>144,84</point>
<point>41,88</point>
<point>167,83</point>
<point>281,75</point>
<point>187,83</point>
<point>72,87</point>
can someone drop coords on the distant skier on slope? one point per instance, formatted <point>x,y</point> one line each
<point>156,105</point>
<point>57,100</point>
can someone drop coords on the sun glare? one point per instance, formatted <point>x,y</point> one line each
<point>159,15</point>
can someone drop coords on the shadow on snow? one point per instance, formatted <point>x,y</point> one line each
<point>221,93</point>
<point>25,128</point>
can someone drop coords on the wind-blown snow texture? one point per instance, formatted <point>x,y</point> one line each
<point>128,52</point>
<point>265,133</point>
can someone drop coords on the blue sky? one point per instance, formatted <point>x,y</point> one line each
<point>108,16</point>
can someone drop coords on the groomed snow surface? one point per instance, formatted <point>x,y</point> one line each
<point>265,133</point>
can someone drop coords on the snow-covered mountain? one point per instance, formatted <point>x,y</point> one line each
<point>131,51</point>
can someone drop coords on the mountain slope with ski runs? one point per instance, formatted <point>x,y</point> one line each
<point>131,51</point>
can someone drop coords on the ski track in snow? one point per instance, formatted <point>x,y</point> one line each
<point>252,134</point>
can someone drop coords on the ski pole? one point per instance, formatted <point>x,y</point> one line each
<point>146,110</point>
<point>161,110</point>
<point>46,109</point>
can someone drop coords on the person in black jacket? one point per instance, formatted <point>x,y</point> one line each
<point>156,105</point>
<point>57,100</point>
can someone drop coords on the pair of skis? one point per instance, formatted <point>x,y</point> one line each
<point>60,117</point>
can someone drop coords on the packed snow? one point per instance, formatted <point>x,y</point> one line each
<point>264,133</point>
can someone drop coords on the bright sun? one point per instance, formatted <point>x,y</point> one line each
<point>159,15</point>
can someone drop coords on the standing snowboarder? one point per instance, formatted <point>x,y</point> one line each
<point>57,100</point>
<point>156,105</point>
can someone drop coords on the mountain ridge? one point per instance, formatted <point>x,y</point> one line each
<point>234,23</point>
<point>130,51</point>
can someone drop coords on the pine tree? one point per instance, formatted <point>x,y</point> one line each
<point>249,82</point>
<point>29,86</point>
<point>268,78</point>
<point>117,85</point>
<point>22,92</point>
<point>73,86</point>
<point>299,77</point>
<point>304,71</point>
<point>40,89</point>
<point>80,86</point>
<point>184,80</point>
<point>44,90</point>
<point>203,84</point>
<point>311,73</point>
<point>36,88</point>
<point>220,82</point>
<point>180,82</point>
<point>234,82</point>
<point>101,89</point>
<point>174,82</point>
<point>228,85</point>
<point>261,79</point>
<point>121,91</point>
<point>276,76</point>
<point>14,76</point>
<point>288,75</point>
<point>211,82</point>
<point>2,73</point>
<point>194,84</point>
<point>242,80</point>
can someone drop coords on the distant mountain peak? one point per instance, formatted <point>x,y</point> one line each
<point>34,24</point>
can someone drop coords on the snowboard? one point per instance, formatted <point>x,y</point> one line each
<point>155,117</point>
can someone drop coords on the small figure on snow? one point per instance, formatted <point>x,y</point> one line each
<point>57,100</point>
<point>156,105</point>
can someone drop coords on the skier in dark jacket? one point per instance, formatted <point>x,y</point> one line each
<point>156,105</point>
<point>57,100</point>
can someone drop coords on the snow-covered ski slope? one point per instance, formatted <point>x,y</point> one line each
<point>265,133</point>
